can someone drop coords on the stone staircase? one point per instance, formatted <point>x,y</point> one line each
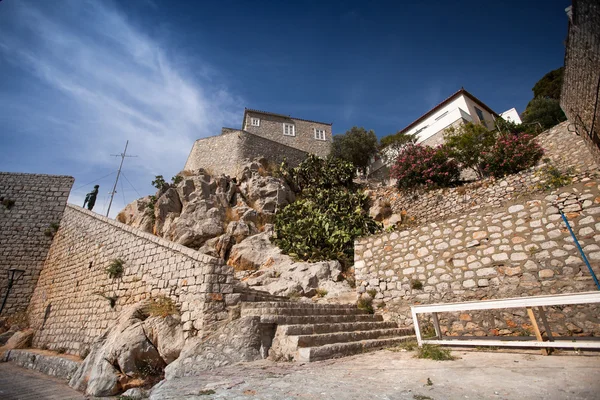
<point>308,332</point>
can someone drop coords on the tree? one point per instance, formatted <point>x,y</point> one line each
<point>550,85</point>
<point>545,111</point>
<point>510,154</point>
<point>329,213</point>
<point>424,166</point>
<point>390,146</point>
<point>356,146</point>
<point>467,143</point>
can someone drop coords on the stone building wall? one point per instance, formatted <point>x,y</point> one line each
<point>228,152</point>
<point>581,83</point>
<point>522,249</point>
<point>39,201</point>
<point>271,127</point>
<point>70,306</point>
<point>565,149</point>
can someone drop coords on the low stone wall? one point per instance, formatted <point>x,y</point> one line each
<point>60,366</point>
<point>26,231</point>
<point>71,305</point>
<point>522,249</point>
<point>228,152</point>
<point>566,151</point>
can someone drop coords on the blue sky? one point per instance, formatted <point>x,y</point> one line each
<point>80,77</point>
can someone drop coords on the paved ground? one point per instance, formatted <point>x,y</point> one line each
<point>17,383</point>
<point>380,375</point>
<point>397,375</point>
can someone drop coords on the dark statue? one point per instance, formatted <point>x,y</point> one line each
<point>90,198</point>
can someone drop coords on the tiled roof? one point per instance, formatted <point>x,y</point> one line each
<point>448,100</point>
<point>246,110</point>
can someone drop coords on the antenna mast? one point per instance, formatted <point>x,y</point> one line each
<point>122,155</point>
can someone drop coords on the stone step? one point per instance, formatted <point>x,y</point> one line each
<point>295,304</point>
<point>335,350</point>
<point>300,311</point>
<point>347,337</point>
<point>318,319</point>
<point>310,329</point>
<point>259,296</point>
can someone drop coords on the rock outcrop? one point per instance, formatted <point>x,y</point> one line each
<point>132,353</point>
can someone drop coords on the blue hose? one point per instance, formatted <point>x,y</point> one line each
<point>580,250</point>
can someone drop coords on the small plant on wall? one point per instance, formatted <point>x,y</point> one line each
<point>115,268</point>
<point>52,229</point>
<point>161,306</point>
<point>7,203</point>
<point>112,300</point>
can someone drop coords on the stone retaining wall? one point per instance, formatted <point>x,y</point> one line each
<point>230,151</point>
<point>566,151</point>
<point>25,229</point>
<point>70,307</point>
<point>522,249</point>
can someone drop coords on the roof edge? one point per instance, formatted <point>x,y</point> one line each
<point>246,110</point>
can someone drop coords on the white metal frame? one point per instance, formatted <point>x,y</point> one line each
<point>521,302</point>
<point>291,130</point>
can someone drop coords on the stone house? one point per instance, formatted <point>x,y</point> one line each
<point>262,134</point>
<point>455,110</point>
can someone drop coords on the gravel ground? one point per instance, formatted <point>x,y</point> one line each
<point>398,375</point>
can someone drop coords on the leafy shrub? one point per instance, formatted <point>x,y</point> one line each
<point>545,111</point>
<point>552,177</point>
<point>356,146</point>
<point>468,143</point>
<point>434,352</point>
<point>372,293</point>
<point>511,154</point>
<point>176,179</point>
<point>424,166</point>
<point>328,215</point>
<point>159,182</point>
<point>365,304</point>
<point>161,306</point>
<point>8,203</point>
<point>115,268</point>
<point>416,284</point>
<point>321,292</point>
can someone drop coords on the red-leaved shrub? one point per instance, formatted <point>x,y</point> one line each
<point>424,166</point>
<point>510,154</point>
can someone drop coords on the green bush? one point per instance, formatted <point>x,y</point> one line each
<point>511,154</point>
<point>115,268</point>
<point>328,214</point>
<point>365,304</point>
<point>434,352</point>
<point>424,166</point>
<point>468,143</point>
<point>545,111</point>
<point>159,182</point>
<point>553,178</point>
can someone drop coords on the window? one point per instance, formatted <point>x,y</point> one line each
<point>441,116</point>
<point>480,116</point>
<point>319,134</point>
<point>255,121</point>
<point>289,130</point>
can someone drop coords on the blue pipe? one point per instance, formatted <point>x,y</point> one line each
<point>580,250</point>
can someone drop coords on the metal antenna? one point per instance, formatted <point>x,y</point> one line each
<point>122,155</point>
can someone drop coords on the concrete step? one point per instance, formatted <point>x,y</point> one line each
<point>318,319</point>
<point>335,350</point>
<point>346,337</point>
<point>300,311</point>
<point>310,329</point>
<point>295,304</point>
<point>259,296</point>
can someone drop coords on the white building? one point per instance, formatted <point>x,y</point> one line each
<point>512,115</point>
<point>457,109</point>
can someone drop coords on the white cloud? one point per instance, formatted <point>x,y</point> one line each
<point>106,81</point>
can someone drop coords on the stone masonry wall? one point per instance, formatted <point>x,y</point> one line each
<point>271,127</point>
<point>522,249</point>
<point>566,151</point>
<point>228,152</point>
<point>70,306</point>
<point>581,84</point>
<point>39,202</point>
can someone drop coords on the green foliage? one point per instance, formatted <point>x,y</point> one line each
<point>545,111</point>
<point>356,146</point>
<point>552,178</point>
<point>316,172</point>
<point>115,268</point>
<point>112,300</point>
<point>328,214</point>
<point>416,284</point>
<point>468,143</point>
<point>424,166</point>
<point>372,293</point>
<point>161,306</point>
<point>511,154</point>
<point>434,352</point>
<point>397,140</point>
<point>7,203</point>
<point>365,304</point>
<point>52,229</point>
<point>550,85</point>
<point>321,292</point>
<point>176,179</point>
<point>159,182</point>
